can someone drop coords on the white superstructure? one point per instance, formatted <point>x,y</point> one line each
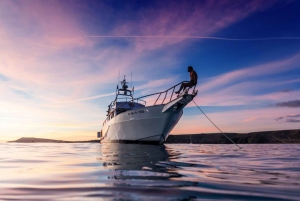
<point>132,120</point>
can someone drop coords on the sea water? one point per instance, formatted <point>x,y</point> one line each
<point>92,171</point>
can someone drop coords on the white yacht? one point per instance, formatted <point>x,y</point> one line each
<point>147,119</point>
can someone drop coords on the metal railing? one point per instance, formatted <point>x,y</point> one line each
<point>165,93</point>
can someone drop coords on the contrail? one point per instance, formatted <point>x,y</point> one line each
<point>201,37</point>
<point>87,98</point>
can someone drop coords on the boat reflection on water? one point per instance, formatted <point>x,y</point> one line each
<point>135,160</point>
<point>117,156</point>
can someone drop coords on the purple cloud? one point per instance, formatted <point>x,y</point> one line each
<point>279,118</point>
<point>293,120</point>
<point>293,103</point>
<point>294,116</point>
<point>286,90</point>
<point>289,118</point>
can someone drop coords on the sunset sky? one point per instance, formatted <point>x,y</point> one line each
<point>60,60</point>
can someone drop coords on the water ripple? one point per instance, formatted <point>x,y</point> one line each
<point>90,171</point>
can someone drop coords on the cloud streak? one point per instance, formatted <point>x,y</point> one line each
<point>162,21</point>
<point>86,99</point>
<point>241,87</point>
<point>199,37</point>
<point>270,68</point>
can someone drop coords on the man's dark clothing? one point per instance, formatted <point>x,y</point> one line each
<point>193,77</point>
<point>191,83</point>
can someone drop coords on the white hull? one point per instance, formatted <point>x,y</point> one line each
<point>145,125</point>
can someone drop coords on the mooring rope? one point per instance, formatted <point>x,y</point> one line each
<point>216,126</point>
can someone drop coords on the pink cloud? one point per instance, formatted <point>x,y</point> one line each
<point>250,119</point>
<point>185,19</point>
<point>157,83</point>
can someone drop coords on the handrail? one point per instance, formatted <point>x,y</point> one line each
<point>157,98</point>
<point>163,91</point>
<point>172,94</point>
<point>140,100</point>
<point>166,92</point>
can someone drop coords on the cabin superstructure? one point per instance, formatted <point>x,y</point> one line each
<point>123,102</point>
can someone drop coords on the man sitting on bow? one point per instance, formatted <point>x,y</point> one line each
<point>192,82</point>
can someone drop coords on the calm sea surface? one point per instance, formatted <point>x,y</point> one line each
<point>90,171</point>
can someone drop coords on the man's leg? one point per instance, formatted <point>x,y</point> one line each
<point>181,86</point>
<point>188,84</point>
<point>184,86</point>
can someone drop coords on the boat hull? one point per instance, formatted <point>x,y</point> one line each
<point>150,125</point>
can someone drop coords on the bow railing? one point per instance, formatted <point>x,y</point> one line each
<point>164,94</point>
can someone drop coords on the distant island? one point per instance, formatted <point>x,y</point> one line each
<point>43,140</point>
<point>272,137</point>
